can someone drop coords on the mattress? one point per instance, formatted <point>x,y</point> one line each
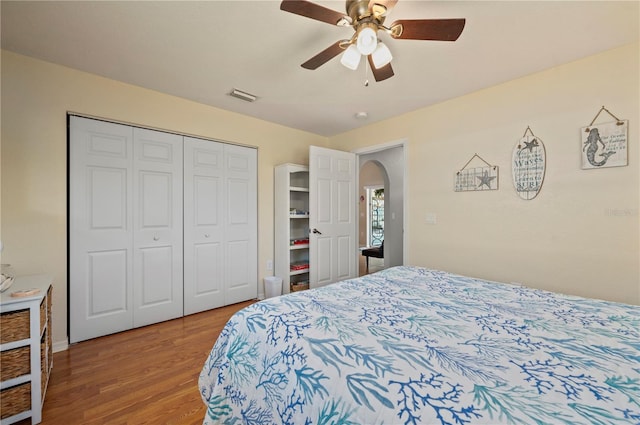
<point>409,345</point>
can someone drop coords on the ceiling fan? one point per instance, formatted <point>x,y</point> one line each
<point>367,18</point>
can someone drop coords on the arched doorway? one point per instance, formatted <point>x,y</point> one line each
<point>373,181</point>
<point>383,165</point>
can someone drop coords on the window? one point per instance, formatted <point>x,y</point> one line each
<point>375,215</point>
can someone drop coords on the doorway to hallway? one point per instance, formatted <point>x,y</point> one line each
<point>381,210</point>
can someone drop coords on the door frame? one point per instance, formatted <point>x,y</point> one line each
<point>379,148</point>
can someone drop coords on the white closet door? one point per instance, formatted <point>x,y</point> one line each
<point>100,219</point>
<point>127,232</point>
<point>332,216</point>
<point>241,224</point>
<point>203,225</point>
<point>157,226</point>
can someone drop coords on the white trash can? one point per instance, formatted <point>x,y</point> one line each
<point>272,286</point>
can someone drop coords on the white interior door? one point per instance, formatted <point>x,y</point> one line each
<point>332,216</point>
<point>100,222</point>
<point>157,228</point>
<point>241,223</point>
<point>203,225</point>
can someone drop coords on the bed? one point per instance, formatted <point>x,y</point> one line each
<point>409,345</point>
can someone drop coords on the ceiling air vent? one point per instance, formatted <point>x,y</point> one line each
<point>248,97</point>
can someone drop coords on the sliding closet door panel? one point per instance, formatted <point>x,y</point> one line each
<point>100,218</point>
<point>157,226</point>
<point>203,225</point>
<point>241,224</point>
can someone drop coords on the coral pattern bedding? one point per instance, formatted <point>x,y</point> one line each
<point>415,346</point>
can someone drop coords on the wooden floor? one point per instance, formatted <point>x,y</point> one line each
<point>375,265</point>
<point>143,376</point>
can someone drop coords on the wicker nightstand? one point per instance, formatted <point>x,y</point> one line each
<point>25,348</point>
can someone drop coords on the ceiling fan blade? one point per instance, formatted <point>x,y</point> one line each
<point>380,74</point>
<point>427,29</point>
<point>325,56</point>
<point>313,11</point>
<point>381,7</point>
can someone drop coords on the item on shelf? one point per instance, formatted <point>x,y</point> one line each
<point>6,282</point>
<point>295,211</point>
<point>299,266</point>
<point>304,241</point>
<point>25,292</point>
<point>299,286</point>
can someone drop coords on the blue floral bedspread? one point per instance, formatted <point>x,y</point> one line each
<point>414,346</point>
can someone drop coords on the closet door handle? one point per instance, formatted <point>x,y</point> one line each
<point>156,238</point>
<point>206,235</point>
<point>316,231</point>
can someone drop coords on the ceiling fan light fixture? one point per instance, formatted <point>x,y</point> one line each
<point>381,56</point>
<point>367,41</point>
<point>367,18</point>
<point>351,57</point>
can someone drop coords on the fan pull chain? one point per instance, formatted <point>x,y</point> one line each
<point>366,80</point>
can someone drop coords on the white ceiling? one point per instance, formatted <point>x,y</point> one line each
<point>201,50</point>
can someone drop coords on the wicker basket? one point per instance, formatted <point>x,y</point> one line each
<point>43,314</point>
<point>44,361</point>
<point>15,400</point>
<point>14,363</point>
<point>49,355</point>
<point>295,287</point>
<point>14,325</point>
<point>49,296</point>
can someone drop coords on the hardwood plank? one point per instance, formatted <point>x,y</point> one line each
<point>143,376</point>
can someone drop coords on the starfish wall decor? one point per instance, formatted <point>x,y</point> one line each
<point>483,177</point>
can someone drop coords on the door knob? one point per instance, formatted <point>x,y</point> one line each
<point>206,235</point>
<point>316,231</point>
<point>155,238</point>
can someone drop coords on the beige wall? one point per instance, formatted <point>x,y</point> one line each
<point>580,235</point>
<point>36,96</point>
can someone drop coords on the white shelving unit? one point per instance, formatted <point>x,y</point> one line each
<point>25,349</point>
<point>291,218</point>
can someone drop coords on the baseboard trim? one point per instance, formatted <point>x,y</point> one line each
<point>60,346</point>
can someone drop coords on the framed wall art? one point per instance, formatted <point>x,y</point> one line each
<point>604,145</point>
<point>528,165</point>
<point>484,177</point>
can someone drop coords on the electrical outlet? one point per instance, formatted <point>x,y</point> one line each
<point>269,265</point>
